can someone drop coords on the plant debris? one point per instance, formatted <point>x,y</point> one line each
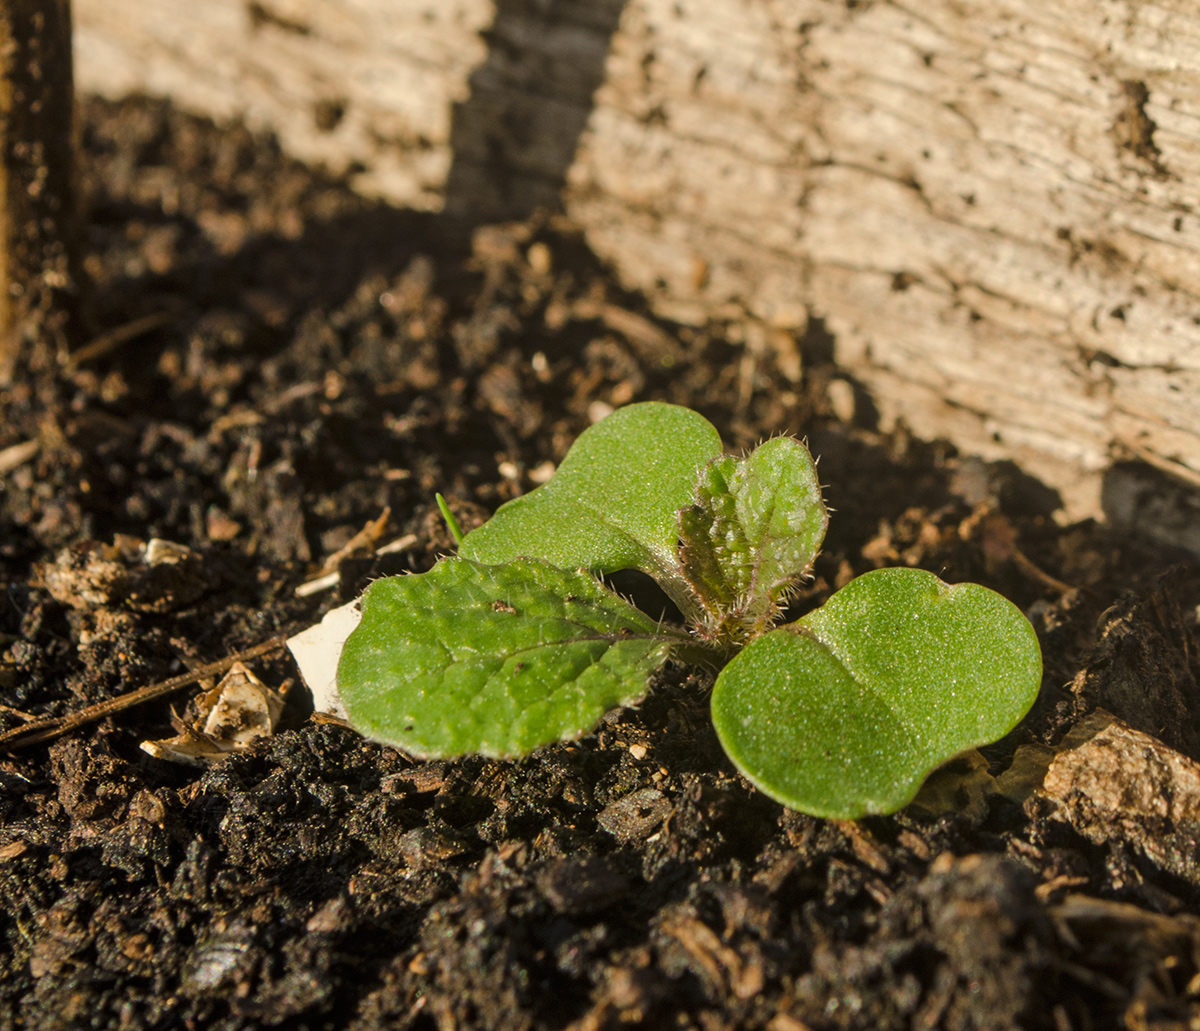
<point>1124,786</point>
<point>232,716</point>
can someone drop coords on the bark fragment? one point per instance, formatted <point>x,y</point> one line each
<point>1124,785</point>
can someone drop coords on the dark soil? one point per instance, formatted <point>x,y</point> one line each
<point>321,358</point>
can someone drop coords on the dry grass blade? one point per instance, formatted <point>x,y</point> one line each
<point>115,338</point>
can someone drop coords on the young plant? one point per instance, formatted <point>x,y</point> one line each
<point>515,643</point>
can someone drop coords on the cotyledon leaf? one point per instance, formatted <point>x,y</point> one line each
<point>845,712</point>
<point>612,503</point>
<point>496,660</point>
<point>753,530</point>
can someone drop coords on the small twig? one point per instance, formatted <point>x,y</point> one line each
<point>329,718</point>
<point>17,455</point>
<point>652,343</point>
<point>363,541</point>
<point>55,726</point>
<point>114,338</point>
<point>1167,465</point>
<point>1035,572</point>
<point>319,584</point>
<point>998,538</point>
<point>328,580</point>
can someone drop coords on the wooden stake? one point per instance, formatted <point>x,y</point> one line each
<point>37,210</point>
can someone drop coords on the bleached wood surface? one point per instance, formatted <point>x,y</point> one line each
<point>992,203</point>
<point>392,69</point>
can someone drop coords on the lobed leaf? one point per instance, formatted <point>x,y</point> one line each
<point>497,660</point>
<point>845,712</point>
<point>754,529</point>
<point>612,503</point>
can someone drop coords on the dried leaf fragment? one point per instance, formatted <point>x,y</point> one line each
<point>240,710</point>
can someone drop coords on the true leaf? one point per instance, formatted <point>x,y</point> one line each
<point>753,530</point>
<point>497,660</point>
<point>846,711</point>
<point>612,503</point>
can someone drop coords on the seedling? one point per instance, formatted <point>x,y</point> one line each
<point>516,643</point>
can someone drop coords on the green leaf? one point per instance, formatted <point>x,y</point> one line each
<point>754,529</point>
<point>612,503</point>
<point>497,660</point>
<point>846,711</point>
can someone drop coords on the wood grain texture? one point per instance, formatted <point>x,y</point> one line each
<point>367,82</point>
<point>991,203</point>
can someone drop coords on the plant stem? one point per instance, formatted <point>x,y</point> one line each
<point>451,522</point>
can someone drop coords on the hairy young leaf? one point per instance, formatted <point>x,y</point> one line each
<point>846,711</point>
<point>497,660</point>
<point>612,503</point>
<point>753,530</point>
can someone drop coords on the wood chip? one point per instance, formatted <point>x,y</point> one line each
<point>1124,784</point>
<point>17,455</point>
<point>12,850</point>
<point>961,785</point>
<point>635,816</point>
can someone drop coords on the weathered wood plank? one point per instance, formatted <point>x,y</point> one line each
<point>992,215</point>
<point>991,203</point>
